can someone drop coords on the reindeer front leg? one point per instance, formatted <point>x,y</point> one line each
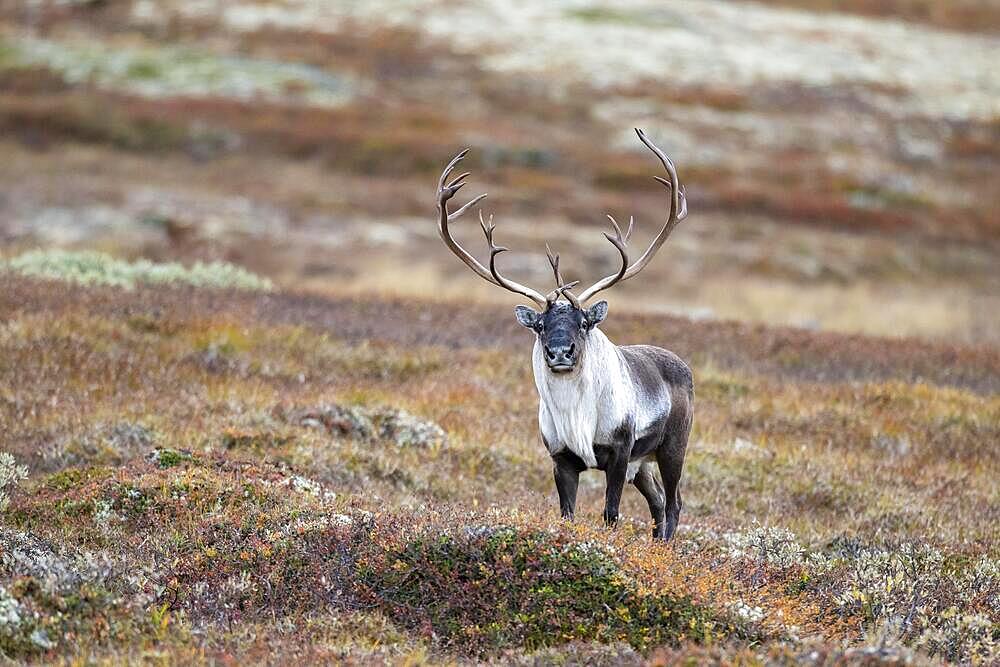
<point>616,471</point>
<point>567,467</point>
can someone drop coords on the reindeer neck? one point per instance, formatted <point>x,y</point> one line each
<point>600,362</point>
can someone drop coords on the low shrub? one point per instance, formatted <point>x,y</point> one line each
<point>484,588</point>
<point>226,540</point>
<point>51,597</point>
<point>913,594</point>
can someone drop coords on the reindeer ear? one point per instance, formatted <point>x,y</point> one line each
<point>597,313</point>
<point>526,317</point>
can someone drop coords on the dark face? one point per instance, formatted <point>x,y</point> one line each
<point>562,330</point>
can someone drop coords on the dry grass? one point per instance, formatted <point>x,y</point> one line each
<point>179,434</point>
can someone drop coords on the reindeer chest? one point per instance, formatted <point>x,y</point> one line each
<point>579,410</point>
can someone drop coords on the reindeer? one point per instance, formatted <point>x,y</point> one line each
<point>614,408</point>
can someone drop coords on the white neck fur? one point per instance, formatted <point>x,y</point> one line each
<point>585,406</point>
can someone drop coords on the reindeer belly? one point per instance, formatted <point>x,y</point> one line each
<point>635,464</point>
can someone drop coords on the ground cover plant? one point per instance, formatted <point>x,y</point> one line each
<point>203,469</point>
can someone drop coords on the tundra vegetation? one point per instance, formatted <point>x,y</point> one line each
<point>310,459</point>
<point>242,474</point>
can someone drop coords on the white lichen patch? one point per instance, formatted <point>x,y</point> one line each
<point>309,487</point>
<point>768,544</point>
<point>907,594</point>
<point>156,71</point>
<point>689,42</point>
<point>10,612</point>
<point>105,516</point>
<point>374,424</point>
<point>11,474</point>
<point>746,613</point>
<point>61,574</point>
<point>94,268</point>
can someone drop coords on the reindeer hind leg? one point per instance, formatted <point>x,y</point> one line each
<point>652,490</point>
<point>670,457</point>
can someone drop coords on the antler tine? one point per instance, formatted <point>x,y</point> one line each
<point>553,262</point>
<point>488,229</point>
<point>466,207</point>
<point>614,223</point>
<point>678,211</point>
<point>683,200</point>
<point>561,287</point>
<point>569,286</point>
<point>553,296</point>
<point>451,166</point>
<point>619,241</point>
<point>677,199</point>
<point>447,190</point>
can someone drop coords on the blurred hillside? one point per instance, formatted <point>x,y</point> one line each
<point>841,165</point>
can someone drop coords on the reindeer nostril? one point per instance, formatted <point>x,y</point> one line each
<point>572,348</point>
<point>550,354</point>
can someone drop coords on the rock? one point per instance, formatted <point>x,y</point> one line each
<point>380,424</point>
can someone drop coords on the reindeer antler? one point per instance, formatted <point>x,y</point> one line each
<point>562,287</point>
<point>446,192</point>
<point>678,211</point>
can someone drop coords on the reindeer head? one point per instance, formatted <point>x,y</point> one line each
<point>562,327</point>
<point>562,331</point>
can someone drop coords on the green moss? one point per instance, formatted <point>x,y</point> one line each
<point>867,196</point>
<point>604,15</point>
<point>169,71</point>
<point>494,588</point>
<point>170,458</point>
<point>647,18</point>
<point>72,508</point>
<point>70,478</point>
<point>143,69</point>
<point>255,442</point>
<point>721,387</point>
<point>148,324</point>
<point>8,55</point>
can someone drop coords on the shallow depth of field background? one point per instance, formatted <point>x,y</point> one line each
<point>836,289</point>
